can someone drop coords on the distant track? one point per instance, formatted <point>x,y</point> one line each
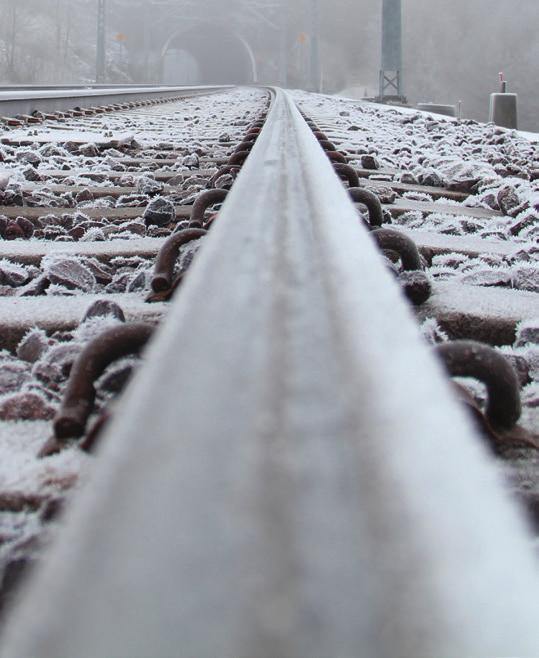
<point>25,101</point>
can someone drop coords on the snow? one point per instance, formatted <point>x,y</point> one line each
<point>69,149</point>
<point>63,136</point>
<point>470,245</point>
<point>21,313</point>
<point>450,157</point>
<point>120,249</point>
<point>28,251</point>
<point>21,473</point>
<point>532,136</point>
<point>480,157</point>
<point>4,179</point>
<point>485,265</point>
<point>489,304</point>
<point>434,138</point>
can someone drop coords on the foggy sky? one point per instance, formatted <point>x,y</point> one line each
<point>453,49</point>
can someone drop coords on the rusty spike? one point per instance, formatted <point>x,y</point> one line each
<point>96,430</point>
<point>166,259</point>
<point>320,135</point>
<point>406,248</point>
<point>327,145</point>
<point>204,201</point>
<point>249,138</point>
<point>244,146</point>
<point>166,295</point>
<point>347,172</point>
<point>79,397</point>
<point>227,169</point>
<point>238,158</point>
<point>499,439</point>
<point>336,156</point>
<point>369,199</point>
<point>466,358</point>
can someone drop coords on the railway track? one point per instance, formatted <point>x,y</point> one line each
<point>83,217</point>
<point>289,473</point>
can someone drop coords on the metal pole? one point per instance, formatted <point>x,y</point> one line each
<point>315,72</point>
<point>283,51</point>
<point>146,41</point>
<point>100,54</point>
<point>391,70</point>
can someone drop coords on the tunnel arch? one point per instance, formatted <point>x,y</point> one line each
<point>208,54</point>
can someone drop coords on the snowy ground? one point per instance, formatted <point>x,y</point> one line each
<point>499,169</point>
<point>34,375</point>
<point>181,135</point>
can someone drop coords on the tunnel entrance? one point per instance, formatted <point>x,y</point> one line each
<point>208,55</point>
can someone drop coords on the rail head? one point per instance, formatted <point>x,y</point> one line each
<point>289,475</point>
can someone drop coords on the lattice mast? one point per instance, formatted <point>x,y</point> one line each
<point>391,75</point>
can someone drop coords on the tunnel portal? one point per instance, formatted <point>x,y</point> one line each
<point>207,54</point>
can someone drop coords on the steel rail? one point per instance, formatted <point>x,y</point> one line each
<point>289,475</point>
<point>26,101</point>
<point>90,85</point>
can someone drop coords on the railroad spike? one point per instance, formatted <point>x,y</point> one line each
<point>162,279</point>
<point>464,358</point>
<point>79,397</point>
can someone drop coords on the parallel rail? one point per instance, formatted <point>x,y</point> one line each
<point>24,101</point>
<point>289,475</point>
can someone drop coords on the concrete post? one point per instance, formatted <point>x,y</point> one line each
<point>504,107</point>
<point>504,110</point>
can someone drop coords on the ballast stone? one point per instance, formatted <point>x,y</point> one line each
<point>159,212</point>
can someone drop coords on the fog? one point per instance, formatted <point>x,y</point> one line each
<point>452,51</point>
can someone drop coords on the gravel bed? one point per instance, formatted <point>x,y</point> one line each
<point>188,135</point>
<point>499,171</point>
